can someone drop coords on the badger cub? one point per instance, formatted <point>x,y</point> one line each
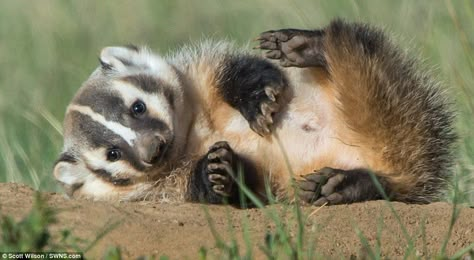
<point>339,104</point>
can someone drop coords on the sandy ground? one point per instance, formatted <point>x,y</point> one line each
<point>180,230</point>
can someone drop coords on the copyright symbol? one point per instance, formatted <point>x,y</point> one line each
<point>4,255</point>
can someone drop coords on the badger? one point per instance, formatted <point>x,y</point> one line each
<point>329,116</point>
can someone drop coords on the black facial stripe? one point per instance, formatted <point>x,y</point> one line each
<point>145,82</point>
<point>103,102</point>
<point>98,136</point>
<point>151,84</point>
<point>147,122</point>
<point>106,176</point>
<point>95,133</point>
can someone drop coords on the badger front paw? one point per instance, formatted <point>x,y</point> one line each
<point>294,48</point>
<point>266,105</point>
<point>220,169</point>
<point>255,87</point>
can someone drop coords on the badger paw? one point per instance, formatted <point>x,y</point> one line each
<point>333,186</point>
<point>267,104</point>
<point>218,175</point>
<point>293,48</point>
<point>220,168</point>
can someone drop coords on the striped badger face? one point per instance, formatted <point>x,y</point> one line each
<point>120,128</point>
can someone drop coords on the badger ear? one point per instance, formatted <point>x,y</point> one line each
<point>118,58</point>
<point>70,174</point>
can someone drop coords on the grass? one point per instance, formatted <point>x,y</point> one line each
<point>47,49</point>
<point>33,233</point>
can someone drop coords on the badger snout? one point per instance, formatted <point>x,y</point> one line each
<point>151,147</point>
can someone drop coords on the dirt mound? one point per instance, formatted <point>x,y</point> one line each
<point>180,230</point>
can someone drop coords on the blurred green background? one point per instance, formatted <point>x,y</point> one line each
<point>48,48</point>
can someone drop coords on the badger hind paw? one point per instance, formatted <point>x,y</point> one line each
<point>293,48</point>
<point>334,186</point>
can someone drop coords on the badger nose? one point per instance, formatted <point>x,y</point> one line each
<point>151,148</point>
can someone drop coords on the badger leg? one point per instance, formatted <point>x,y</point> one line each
<point>256,88</point>
<point>214,178</point>
<point>396,112</point>
<point>304,48</point>
<point>335,186</point>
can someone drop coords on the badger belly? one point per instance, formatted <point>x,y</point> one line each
<point>307,136</point>
<point>312,136</point>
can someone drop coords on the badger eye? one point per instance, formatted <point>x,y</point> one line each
<point>113,155</point>
<point>138,108</point>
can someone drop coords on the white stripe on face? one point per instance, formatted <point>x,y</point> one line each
<point>157,104</point>
<point>126,133</point>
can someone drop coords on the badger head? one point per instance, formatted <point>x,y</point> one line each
<point>122,127</point>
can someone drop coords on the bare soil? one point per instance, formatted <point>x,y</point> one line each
<point>180,230</point>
